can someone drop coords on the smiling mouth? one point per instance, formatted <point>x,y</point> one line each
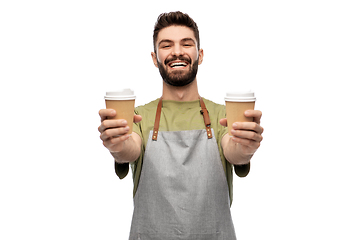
<point>178,64</point>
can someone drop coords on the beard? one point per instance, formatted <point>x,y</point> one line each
<point>178,78</point>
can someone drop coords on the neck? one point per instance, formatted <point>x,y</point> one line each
<point>186,93</point>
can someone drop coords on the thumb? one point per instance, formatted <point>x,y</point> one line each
<point>137,118</point>
<point>223,122</point>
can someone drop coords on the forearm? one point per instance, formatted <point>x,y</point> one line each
<point>234,152</point>
<point>130,150</point>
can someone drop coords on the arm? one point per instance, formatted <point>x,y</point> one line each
<point>130,151</point>
<point>113,132</point>
<point>239,148</point>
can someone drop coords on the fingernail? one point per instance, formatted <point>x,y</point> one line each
<point>234,125</point>
<point>113,112</point>
<point>124,122</point>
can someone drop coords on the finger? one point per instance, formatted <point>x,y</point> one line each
<point>137,118</point>
<point>112,143</point>
<point>256,114</point>
<point>112,123</point>
<point>250,126</point>
<point>250,135</point>
<point>113,132</point>
<point>104,113</point>
<point>247,143</point>
<point>223,122</point>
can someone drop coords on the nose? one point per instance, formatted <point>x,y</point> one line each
<point>177,50</point>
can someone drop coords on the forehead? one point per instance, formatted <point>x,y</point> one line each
<point>176,33</point>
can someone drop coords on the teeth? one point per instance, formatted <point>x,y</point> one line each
<point>178,64</point>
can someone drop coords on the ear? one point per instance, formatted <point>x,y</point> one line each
<point>154,58</point>
<point>201,56</point>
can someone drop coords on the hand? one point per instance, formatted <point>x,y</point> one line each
<point>113,132</point>
<point>247,134</point>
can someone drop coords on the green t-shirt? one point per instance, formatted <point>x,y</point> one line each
<point>180,116</point>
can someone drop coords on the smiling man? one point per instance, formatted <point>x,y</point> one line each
<point>178,70</point>
<point>181,155</point>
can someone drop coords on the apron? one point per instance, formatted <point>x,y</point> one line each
<point>182,192</point>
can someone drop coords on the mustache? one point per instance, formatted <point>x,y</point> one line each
<point>181,58</point>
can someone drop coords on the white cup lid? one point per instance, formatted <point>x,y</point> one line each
<point>241,96</point>
<point>125,94</point>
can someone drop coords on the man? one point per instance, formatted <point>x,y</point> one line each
<point>180,152</point>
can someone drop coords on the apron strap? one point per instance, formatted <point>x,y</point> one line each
<point>203,111</point>
<point>205,114</point>
<point>157,120</point>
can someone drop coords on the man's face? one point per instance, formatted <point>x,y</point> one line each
<point>177,55</point>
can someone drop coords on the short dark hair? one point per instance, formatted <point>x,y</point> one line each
<point>175,19</point>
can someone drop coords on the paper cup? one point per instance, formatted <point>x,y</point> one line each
<point>236,104</point>
<point>123,102</point>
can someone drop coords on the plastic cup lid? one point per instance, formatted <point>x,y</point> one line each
<point>125,94</point>
<point>241,96</point>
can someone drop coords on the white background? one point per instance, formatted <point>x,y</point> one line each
<point>58,58</point>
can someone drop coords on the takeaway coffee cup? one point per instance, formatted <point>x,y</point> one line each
<point>123,103</point>
<point>236,104</point>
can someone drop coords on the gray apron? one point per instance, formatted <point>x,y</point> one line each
<point>182,192</point>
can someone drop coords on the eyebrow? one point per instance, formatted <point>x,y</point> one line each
<point>170,41</point>
<point>187,39</point>
<point>165,41</point>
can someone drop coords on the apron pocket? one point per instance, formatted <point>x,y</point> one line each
<point>208,236</point>
<point>204,236</point>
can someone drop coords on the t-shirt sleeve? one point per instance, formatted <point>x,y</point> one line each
<point>121,169</point>
<point>242,170</point>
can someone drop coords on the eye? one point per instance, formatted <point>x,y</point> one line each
<point>188,44</point>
